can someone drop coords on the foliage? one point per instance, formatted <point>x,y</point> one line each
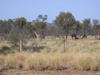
<point>40,25</point>
<point>98,27</point>
<point>95,22</point>
<point>40,22</point>
<point>53,29</point>
<point>14,37</point>
<point>28,27</point>
<point>20,22</point>
<point>87,23</point>
<point>65,19</point>
<point>4,27</point>
<point>42,18</point>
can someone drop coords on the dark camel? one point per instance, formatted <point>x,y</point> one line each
<point>84,36</point>
<point>57,35</point>
<point>98,38</point>
<point>74,36</point>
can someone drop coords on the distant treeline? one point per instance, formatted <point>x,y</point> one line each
<point>64,21</point>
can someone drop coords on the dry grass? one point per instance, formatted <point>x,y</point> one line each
<point>2,58</point>
<point>83,61</point>
<point>42,63</point>
<point>25,60</point>
<point>12,62</point>
<point>51,61</point>
<point>51,46</point>
<point>83,54</point>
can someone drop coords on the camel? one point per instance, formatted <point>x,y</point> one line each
<point>34,35</point>
<point>98,38</point>
<point>74,36</point>
<point>84,36</point>
<point>38,36</point>
<point>9,35</point>
<point>57,35</point>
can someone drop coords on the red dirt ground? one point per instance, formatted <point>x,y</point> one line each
<point>65,71</point>
<point>48,72</point>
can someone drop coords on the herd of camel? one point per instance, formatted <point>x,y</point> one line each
<point>74,36</point>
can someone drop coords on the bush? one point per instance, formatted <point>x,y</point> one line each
<point>55,63</point>
<point>83,62</point>
<point>42,63</point>
<point>94,65</point>
<point>12,62</point>
<point>14,37</point>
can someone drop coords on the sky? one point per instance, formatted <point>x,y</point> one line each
<point>30,9</point>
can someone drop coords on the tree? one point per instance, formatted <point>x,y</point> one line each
<point>14,37</point>
<point>77,26</point>
<point>87,24</point>
<point>10,24</point>
<point>40,25</point>
<point>95,22</point>
<point>65,21</point>
<point>40,22</point>
<point>98,27</point>
<point>53,29</point>
<point>4,28</point>
<point>29,27</point>
<point>20,22</point>
<point>45,17</point>
<point>42,18</point>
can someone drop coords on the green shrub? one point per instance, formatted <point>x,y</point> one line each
<point>14,37</point>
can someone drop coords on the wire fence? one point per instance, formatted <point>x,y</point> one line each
<point>50,41</point>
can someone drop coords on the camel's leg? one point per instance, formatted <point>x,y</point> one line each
<point>72,38</point>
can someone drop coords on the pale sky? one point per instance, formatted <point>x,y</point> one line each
<point>30,9</point>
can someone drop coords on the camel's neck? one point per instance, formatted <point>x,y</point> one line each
<point>36,34</point>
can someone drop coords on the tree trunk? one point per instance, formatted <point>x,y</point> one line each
<point>20,46</point>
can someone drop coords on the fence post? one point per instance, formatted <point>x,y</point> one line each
<point>20,46</point>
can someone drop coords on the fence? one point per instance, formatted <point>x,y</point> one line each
<point>51,42</point>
